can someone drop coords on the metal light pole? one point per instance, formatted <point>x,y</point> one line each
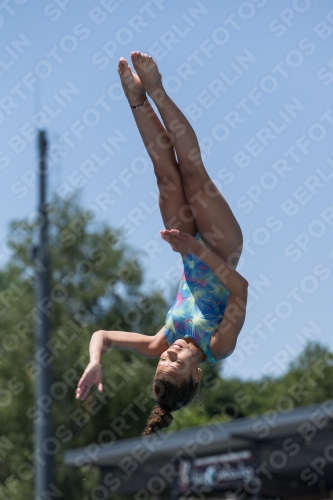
<point>42,427</point>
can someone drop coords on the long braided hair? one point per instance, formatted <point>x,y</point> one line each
<point>168,397</point>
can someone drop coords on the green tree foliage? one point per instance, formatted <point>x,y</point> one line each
<point>307,381</point>
<point>96,284</point>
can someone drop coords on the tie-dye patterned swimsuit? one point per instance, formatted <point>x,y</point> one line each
<point>199,306</point>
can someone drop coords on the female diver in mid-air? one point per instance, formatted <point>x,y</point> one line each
<point>209,311</point>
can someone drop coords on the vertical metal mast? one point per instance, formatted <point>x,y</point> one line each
<point>42,427</point>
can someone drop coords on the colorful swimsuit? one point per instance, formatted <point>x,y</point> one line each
<point>199,306</point>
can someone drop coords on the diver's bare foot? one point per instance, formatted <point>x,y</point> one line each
<point>131,83</point>
<point>148,72</point>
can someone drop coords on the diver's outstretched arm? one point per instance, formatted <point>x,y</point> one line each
<point>146,345</point>
<point>150,346</point>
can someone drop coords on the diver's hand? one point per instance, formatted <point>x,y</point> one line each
<point>180,242</point>
<point>91,375</point>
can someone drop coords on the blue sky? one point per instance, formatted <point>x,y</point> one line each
<point>255,78</point>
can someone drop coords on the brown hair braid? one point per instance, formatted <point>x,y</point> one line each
<point>169,397</point>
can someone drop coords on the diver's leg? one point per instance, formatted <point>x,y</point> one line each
<point>214,218</point>
<point>172,200</point>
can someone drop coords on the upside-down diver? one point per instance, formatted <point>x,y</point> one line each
<point>209,311</point>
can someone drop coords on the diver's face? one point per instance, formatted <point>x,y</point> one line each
<point>180,361</point>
